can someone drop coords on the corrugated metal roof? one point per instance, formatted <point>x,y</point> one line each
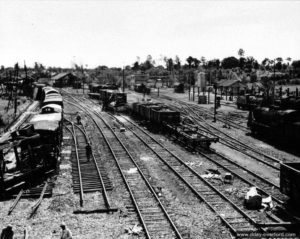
<point>60,75</point>
<point>228,83</point>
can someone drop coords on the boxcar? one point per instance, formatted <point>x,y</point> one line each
<point>290,182</point>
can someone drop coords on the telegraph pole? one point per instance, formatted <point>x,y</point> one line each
<point>123,83</point>
<point>215,105</point>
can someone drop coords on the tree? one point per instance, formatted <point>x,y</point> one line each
<point>136,66</point>
<point>296,64</point>
<point>249,63</point>
<point>242,62</point>
<point>265,62</point>
<point>190,60</point>
<point>196,62</point>
<point>215,63</point>
<point>177,64</point>
<point>241,53</point>
<point>203,60</point>
<point>230,62</point>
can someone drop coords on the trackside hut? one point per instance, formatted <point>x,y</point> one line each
<point>231,86</point>
<point>66,79</point>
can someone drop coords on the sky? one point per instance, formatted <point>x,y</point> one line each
<point>114,33</point>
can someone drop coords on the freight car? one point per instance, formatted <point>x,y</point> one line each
<point>161,117</point>
<point>282,125</point>
<point>290,184</point>
<point>33,149</point>
<point>113,100</point>
<point>142,88</point>
<point>179,88</point>
<point>95,88</point>
<point>248,101</point>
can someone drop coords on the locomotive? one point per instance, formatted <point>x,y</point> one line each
<point>248,101</point>
<point>33,150</point>
<point>169,121</point>
<point>281,122</point>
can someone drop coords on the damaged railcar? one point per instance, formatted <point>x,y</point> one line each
<point>32,151</point>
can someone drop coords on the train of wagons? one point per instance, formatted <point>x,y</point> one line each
<point>169,121</point>
<point>281,123</point>
<point>32,151</point>
<point>109,95</point>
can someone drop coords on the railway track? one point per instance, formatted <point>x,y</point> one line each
<point>236,217</point>
<point>153,216</point>
<point>40,192</point>
<point>168,158</point>
<point>233,143</point>
<point>87,173</point>
<point>207,114</point>
<point>224,138</point>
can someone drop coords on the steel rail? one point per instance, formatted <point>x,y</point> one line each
<point>78,164</point>
<point>38,203</point>
<point>17,199</point>
<point>143,176</point>
<point>125,180</point>
<point>219,164</point>
<point>119,167</point>
<point>104,191</point>
<point>227,135</point>
<point>207,113</point>
<point>105,196</point>
<point>195,190</point>
<point>254,222</point>
<point>216,162</point>
<point>228,143</point>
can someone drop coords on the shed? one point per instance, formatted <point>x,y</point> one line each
<point>65,79</point>
<point>231,86</point>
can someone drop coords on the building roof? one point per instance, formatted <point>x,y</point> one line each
<point>60,75</point>
<point>228,83</point>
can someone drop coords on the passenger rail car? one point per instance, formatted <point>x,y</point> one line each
<point>33,149</point>
<point>169,122</point>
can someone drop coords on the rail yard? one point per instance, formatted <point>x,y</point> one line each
<point>114,164</point>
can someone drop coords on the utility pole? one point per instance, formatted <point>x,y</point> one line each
<point>274,83</point>
<point>123,83</point>
<point>16,89</point>
<point>82,79</point>
<point>215,106</point>
<point>189,87</point>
